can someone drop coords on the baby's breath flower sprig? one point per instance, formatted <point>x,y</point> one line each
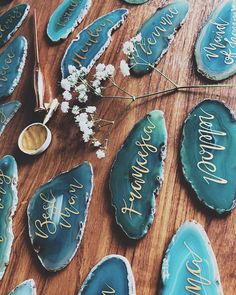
<point>77,90</point>
<point>76,93</point>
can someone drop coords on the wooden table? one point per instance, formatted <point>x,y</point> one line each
<point>175,203</point>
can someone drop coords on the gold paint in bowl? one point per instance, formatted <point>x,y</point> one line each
<point>34,139</point>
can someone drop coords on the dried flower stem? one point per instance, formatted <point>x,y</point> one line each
<point>163,75</point>
<point>170,90</point>
<point>116,120</point>
<point>122,89</point>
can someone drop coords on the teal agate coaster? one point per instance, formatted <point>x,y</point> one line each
<point>190,266</point>
<point>68,15</point>
<point>136,1</point>
<point>215,50</point>
<point>12,61</point>
<point>8,202</point>
<point>11,21</point>
<point>57,215</point>
<point>208,154</point>
<point>157,34</point>
<point>112,275</point>
<point>92,41</point>
<point>26,288</point>
<point>137,175</point>
<point>7,112</point>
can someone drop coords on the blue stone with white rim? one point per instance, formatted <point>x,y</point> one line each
<point>8,203</point>
<point>112,275</point>
<point>25,288</point>
<point>215,49</point>
<point>92,41</point>
<point>208,154</point>
<point>136,1</point>
<point>137,175</point>
<point>11,20</point>
<point>57,215</point>
<point>12,61</point>
<point>7,112</point>
<point>157,34</point>
<point>190,266</point>
<point>68,15</point>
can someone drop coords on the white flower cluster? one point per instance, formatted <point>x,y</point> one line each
<point>75,92</point>
<point>124,67</point>
<point>128,49</point>
<point>85,121</point>
<point>84,116</point>
<point>103,72</point>
<point>129,46</point>
<point>75,82</point>
<point>100,154</point>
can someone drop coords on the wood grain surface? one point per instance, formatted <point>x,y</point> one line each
<point>176,202</point>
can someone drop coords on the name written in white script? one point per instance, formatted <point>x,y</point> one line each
<point>54,216</point>
<point>140,169</point>
<point>195,267</point>
<point>208,148</point>
<point>221,44</point>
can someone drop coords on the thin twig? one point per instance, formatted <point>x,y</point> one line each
<point>120,88</point>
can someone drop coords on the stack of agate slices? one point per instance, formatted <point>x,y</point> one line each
<point>12,59</point>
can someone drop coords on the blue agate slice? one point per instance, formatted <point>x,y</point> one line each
<point>11,21</point>
<point>26,288</point>
<point>92,41</point>
<point>136,1</point>
<point>215,50</point>
<point>190,266</point>
<point>12,61</point>
<point>57,214</point>
<point>68,15</point>
<point>137,175</point>
<point>7,112</point>
<point>157,34</point>
<point>8,202</point>
<point>112,275</point>
<point>208,154</point>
